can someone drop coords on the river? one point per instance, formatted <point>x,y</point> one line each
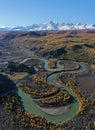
<point>30,106</point>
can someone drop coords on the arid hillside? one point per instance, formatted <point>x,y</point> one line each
<point>78,45</point>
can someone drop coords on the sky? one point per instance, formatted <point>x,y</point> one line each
<point>27,12</point>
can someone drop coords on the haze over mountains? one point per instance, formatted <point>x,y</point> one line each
<point>49,26</point>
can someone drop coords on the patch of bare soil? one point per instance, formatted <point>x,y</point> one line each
<point>55,111</point>
<point>86,82</point>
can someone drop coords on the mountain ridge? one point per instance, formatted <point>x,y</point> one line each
<point>49,26</point>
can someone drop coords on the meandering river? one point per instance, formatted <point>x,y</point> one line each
<point>31,107</point>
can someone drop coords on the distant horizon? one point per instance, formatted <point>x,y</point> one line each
<point>49,26</point>
<point>3,26</point>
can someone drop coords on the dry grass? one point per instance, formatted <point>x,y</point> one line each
<point>57,39</point>
<point>18,76</point>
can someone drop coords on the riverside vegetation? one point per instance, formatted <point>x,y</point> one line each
<point>67,47</point>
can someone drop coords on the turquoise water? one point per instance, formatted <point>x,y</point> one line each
<point>31,107</point>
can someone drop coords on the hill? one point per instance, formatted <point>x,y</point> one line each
<point>78,45</point>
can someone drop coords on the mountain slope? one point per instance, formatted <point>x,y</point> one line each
<point>77,45</point>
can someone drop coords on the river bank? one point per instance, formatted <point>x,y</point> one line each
<point>62,113</point>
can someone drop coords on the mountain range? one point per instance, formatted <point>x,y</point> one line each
<point>49,26</point>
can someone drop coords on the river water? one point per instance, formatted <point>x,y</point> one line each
<point>31,107</point>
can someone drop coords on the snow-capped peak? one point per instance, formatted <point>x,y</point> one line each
<point>49,26</point>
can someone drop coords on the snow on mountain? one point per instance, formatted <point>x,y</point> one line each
<point>49,26</point>
<point>4,28</point>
